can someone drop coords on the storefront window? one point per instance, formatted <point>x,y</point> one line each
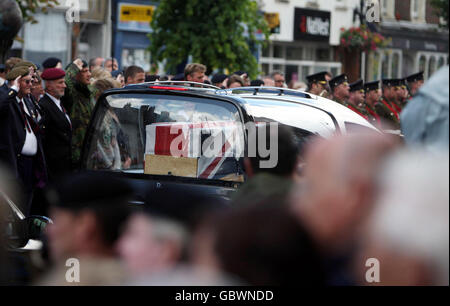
<point>385,66</point>
<point>266,51</point>
<point>422,62</point>
<point>138,57</point>
<point>395,65</point>
<point>278,51</point>
<point>441,62</point>
<point>431,66</point>
<point>305,72</point>
<point>323,55</point>
<point>309,54</point>
<point>39,44</point>
<point>277,67</point>
<point>294,53</point>
<point>265,69</point>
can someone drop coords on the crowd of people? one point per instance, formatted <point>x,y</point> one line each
<point>358,198</point>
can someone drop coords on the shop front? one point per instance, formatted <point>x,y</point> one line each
<point>308,51</point>
<point>131,29</point>
<point>410,51</point>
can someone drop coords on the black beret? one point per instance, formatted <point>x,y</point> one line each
<point>52,74</point>
<point>338,80</point>
<point>218,78</point>
<point>17,72</point>
<point>257,83</point>
<point>240,72</point>
<point>51,62</point>
<point>369,86</point>
<point>89,190</point>
<point>357,86</point>
<point>415,77</point>
<point>392,82</point>
<point>317,78</point>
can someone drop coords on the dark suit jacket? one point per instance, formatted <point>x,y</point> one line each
<point>12,137</point>
<point>57,138</point>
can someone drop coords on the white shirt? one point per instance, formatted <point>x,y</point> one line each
<point>58,104</point>
<point>30,146</point>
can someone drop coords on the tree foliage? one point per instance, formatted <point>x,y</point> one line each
<point>31,7</point>
<point>441,9</point>
<point>212,32</point>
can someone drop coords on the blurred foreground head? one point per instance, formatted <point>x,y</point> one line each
<point>88,210</point>
<point>408,230</point>
<point>339,185</point>
<point>155,238</point>
<point>261,245</point>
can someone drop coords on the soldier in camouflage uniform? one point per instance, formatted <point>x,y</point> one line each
<point>356,99</point>
<point>390,118</point>
<point>372,90</point>
<point>79,101</point>
<point>340,89</point>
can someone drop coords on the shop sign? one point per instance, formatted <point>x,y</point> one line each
<point>134,17</point>
<point>273,20</point>
<point>311,25</point>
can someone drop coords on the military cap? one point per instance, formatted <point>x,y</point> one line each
<point>50,62</point>
<point>357,86</point>
<point>240,72</point>
<point>403,83</point>
<point>415,77</point>
<point>178,77</point>
<point>369,86</point>
<point>52,74</point>
<point>89,190</point>
<point>392,82</point>
<point>218,78</point>
<point>26,64</point>
<point>338,80</point>
<point>317,78</point>
<point>17,72</point>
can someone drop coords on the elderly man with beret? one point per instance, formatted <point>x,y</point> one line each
<point>20,138</point>
<point>56,124</point>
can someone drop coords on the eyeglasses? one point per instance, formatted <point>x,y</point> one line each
<point>27,81</point>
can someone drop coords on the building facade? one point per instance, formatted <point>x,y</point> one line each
<point>418,43</point>
<point>305,36</point>
<point>56,34</point>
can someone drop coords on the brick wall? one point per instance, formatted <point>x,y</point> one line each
<point>430,15</point>
<point>403,9</point>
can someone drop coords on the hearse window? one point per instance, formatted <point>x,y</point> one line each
<point>166,135</point>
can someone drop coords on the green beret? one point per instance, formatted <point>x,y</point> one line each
<point>25,64</point>
<point>17,72</point>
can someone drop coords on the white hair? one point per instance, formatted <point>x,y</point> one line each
<point>411,215</point>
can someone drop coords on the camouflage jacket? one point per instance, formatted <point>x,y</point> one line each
<point>79,101</point>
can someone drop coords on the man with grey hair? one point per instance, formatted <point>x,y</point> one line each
<point>407,235</point>
<point>278,78</point>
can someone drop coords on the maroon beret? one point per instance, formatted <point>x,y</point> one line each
<point>52,74</point>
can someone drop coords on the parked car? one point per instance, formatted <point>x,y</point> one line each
<point>135,130</point>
